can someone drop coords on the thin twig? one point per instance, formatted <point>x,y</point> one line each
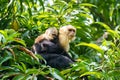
<point>28,52</point>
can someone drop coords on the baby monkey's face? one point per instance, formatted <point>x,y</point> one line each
<point>52,33</point>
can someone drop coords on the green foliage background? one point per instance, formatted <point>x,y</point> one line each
<point>96,48</point>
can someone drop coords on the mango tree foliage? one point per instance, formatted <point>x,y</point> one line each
<point>95,49</point>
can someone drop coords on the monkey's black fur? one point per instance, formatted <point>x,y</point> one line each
<point>53,53</point>
<point>57,60</point>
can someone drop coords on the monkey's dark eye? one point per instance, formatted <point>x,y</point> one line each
<point>71,30</point>
<point>54,34</point>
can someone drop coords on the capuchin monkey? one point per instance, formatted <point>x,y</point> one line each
<point>54,47</point>
<point>66,35</point>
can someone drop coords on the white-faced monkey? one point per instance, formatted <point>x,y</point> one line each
<point>54,49</point>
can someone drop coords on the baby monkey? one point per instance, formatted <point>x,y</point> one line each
<point>43,42</point>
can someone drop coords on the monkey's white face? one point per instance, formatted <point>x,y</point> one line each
<point>54,34</point>
<point>69,31</point>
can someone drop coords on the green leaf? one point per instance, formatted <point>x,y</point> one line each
<point>102,24</point>
<point>41,58</point>
<point>114,73</point>
<point>27,77</point>
<point>113,33</point>
<point>87,4</point>
<point>97,74</point>
<point>42,4</point>
<point>42,16</point>
<point>10,3</point>
<point>9,74</point>
<point>3,32</point>
<point>19,67</point>
<point>56,74</point>
<point>65,71</point>
<point>2,60</point>
<point>20,41</point>
<point>24,66</point>
<point>19,77</point>
<point>21,7</point>
<point>2,68</point>
<point>32,71</point>
<point>94,46</point>
<point>86,15</point>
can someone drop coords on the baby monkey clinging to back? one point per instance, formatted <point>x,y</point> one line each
<point>45,41</point>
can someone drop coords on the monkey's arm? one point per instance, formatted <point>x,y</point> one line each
<point>60,50</point>
<point>66,54</point>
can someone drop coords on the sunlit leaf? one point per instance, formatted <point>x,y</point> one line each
<point>86,15</point>
<point>32,71</point>
<point>3,32</point>
<point>103,25</point>
<point>113,33</point>
<point>20,41</point>
<point>87,4</point>
<point>94,46</point>
<point>10,3</point>
<point>65,71</point>
<point>96,74</point>
<point>111,11</point>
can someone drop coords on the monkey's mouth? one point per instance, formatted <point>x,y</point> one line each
<point>72,35</point>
